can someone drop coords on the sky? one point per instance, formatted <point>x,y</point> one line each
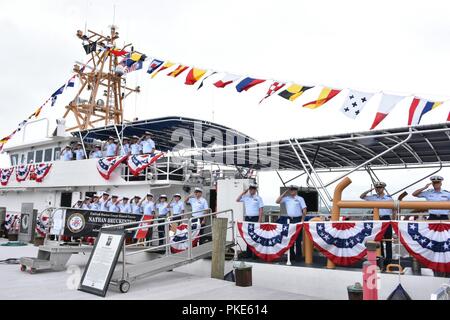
<point>397,47</point>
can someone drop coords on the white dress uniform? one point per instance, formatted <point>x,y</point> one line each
<point>125,208</point>
<point>85,206</point>
<point>162,209</point>
<point>252,204</point>
<point>136,209</point>
<point>125,149</point>
<point>95,206</point>
<point>111,149</point>
<point>432,195</point>
<point>96,154</point>
<point>376,197</point>
<point>103,205</point>
<point>198,205</point>
<point>177,207</point>
<point>135,148</point>
<point>79,154</point>
<point>148,207</point>
<point>147,145</point>
<point>113,207</point>
<point>66,155</point>
<point>294,206</point>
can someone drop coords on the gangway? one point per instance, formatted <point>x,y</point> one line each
<point>196,229</point>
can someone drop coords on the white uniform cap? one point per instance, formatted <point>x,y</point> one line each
<point>436,178</point>
<point>177,195</point>
<point>163,196</point>
<point>253,185</point>
<point>379,184</point>
<point>148,132</point>
<point>135,137</point>
<point>198,189</point>
<point>150,194</point>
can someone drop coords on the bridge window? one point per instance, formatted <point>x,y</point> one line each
<point>57,153</point>
<point>14,159</point>
<point>48,155</point>
<point>30,157</point>
<point>22,158</point>
<point>38,156</point>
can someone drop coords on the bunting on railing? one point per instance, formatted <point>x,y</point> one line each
<point>106,166</point>
<point>5,174</point>
<point>344,242</point>
<point>138,163</point>
<point>41,170</point>
<point>428,242</point>
<point>179,241</point>
<point>269,241</point>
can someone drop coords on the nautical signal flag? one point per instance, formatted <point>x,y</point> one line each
<point>418,108</point>
<point>355,102</point>
<point>388,102</point>
<point>166,65</point>
<point>248,83</point>
<point>194,75</point>
<point>155,64</point>
<point>175,73</point>
<point>118,52</point>
<point>90,47</point>
<point>274,87</point>
<point>71,82</point>
<point>56,94</point>
<point>226,80</point>
<point>325,95</point>
<point>293,91</point>
<point>135,56</point>
<point>203,80</point>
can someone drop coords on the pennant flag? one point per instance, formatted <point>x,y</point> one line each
<point>155,64</point>
<point>179,241</point>
<point>344,242</point>
<point>41,170</point>
<point>203,81</point>
<point>227,79</point>
<point>118,52</point>
<point>142,233</point>
<point>175,73</point>
<point>274,87</point>
<point>325,95</point>
<point>248,83</point>
<point>90,47</point>
<point>22,172</point>
<point>71,82</point>
<point>105,166</point>
<point>138,163</point>
<point>135,56</point>
<point>135,66</point>
<point>269,241</point>
<point>166,65</point>
<point>37,112</point>
<point>428,242</point>
<point>355,102</point>
<point>388,102</point>
<point>5,174</point>
<point>194,75</point>
<point>418,108</point>
<point>293,91</point>
<point>56,94</point>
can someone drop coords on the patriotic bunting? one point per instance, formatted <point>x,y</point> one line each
<point>274,87</point>
<point>105,166</point>
<point>355,102</point>
<point>179,70</point>
<point>41,170</point>
<point>325,95</point>
<point>247,83</point>
<point>388,102</point>
<point>155,64</point>
<point>269,241</point>
<point>293,91</point>
<point>22,172</point>
<point>138,163</point>
<point>12,221</point>
<point>179,241</point>
<point>418,108</point>
<point>194,75</point>
<point>226,80</point>
<point>428,242</point>
<point>5,174</point>
<point>42,223</point>
<point>343,242</point>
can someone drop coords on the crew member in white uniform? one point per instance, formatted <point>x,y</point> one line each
<point>97,153</point>
<point>113,205</point>
<point>86,203</point>
<point>111,147</point>
<point>78,204</point>
<point>199,207</point>
<point>296,211</point>
<point>135,147</point>
<point>79,152</point>
<point>434,194</point>
<point>124,205</point>
<point>162,211</point>
<point>135,206</point>
<point>176,207</point>
<point>148,145</point>
<point>385,214</point>
<point>103,202</point>
<point>125,148</point>
<point>67,154</point>
<point>253,208</point>
<point>148,208</point>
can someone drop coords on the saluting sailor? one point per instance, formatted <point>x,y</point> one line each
<point>124,205</point>
<point>135,147</point>
<point>135,205</point>
<point>97,153</point>
<point>111,147</point>
<point>253,208</point>
<point>113,205</point>
<point>103,202</point>
<point>177,207</point>
<point>66,154</point>
<point>148,145</point>
<point>79,152</point>
<point>296,210</point>
<point>125,148</point>
<point>148,208</point>
<point>199,207</point>
<point>86,203</point>
<point>385,214</point>
<point>434,194</point>
<point>162,210</point>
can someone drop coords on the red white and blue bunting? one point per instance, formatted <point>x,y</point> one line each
<point>42,223</point>
<point>41,170</point>
<point>106,166</point>
<point>22,172</point>
<point>12,221</point>
<point>5,174</point>
<point>344,242</point>
<point>179,241</point>
<point>269,241</point>
<point>138,163</point>
<point>428,242</point>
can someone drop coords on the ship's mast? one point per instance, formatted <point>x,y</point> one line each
<point>102,79</point>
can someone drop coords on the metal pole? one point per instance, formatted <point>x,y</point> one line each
<point>82,144</point>
<point>190,238</point>
<point>288,262</point>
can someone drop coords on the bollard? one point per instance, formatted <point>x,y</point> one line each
<point>370,275</point>
<point>355,292</point>
<point>219,229</point>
